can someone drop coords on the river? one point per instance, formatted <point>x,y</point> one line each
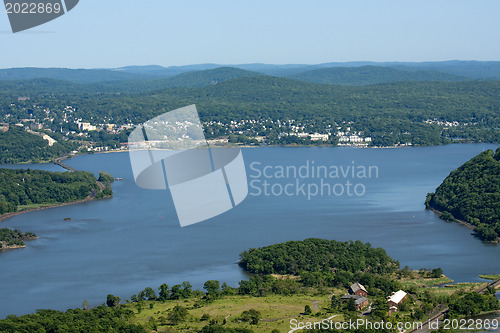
<point>132,241</point>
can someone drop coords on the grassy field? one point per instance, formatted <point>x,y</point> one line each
<point>276,312</point>
<point>424,282</point>
<point>492,277</point>
<point>34,206</point>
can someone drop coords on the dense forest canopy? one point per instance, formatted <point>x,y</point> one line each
<point>317,255</point>
<point>99,319</point>
<point>472,193</point>
<point>365,75</point>
<point>17,145</point>
<point>35,187</point>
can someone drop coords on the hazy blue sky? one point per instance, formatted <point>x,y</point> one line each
<point>113,33</point>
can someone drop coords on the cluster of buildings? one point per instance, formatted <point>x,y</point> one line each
<point>359,294</point>
<point>349,137</point>
<point>312,136</point>
<point>446,123</point>
<point>258,129</point>
<point>86,126</point>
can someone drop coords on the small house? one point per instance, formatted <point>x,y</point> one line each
<point>360,301</point>
<point>358,289</point>
<point>396,298</point>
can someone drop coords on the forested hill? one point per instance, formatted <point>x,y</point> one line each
<point>364,75</point>
<point>67,74</point>
<point>184,80</point>
<point>17,145</point>
<point>394,113</point>
<point>317,255</point>
<point>21,189</point>
<point>472,193</point>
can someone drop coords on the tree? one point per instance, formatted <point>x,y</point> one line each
<point>148,293</point>
<point>112,301</point>
<point>105,177</point>
<point>177,315</point>
<point>164,292</point>
<point>437,272</point>
<point>187,290</point>
<point>85,305</point>
<point>350,305</point>
<point>252,315</point>
<point>212,287</point>
<point>380,309</point>
<point>336,303</point>
<point>176,293</point>
<point>307,310</point>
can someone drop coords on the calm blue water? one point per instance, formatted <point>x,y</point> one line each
<point>133,240</point>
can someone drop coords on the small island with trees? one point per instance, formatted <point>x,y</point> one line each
<point>471,195</point>
<point>13,239</point>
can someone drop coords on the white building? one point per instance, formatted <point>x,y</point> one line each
<point>86,126</point>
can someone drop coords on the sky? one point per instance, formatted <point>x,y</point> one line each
<point>115,33</point>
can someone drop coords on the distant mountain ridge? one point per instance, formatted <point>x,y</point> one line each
<point>409,71</point>
<point>469,69</point>
<point>371,75</point>
<point>67,74</point>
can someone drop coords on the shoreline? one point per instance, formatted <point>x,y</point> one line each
<point>13,247</point>
<point>464,224</point>
<point>60,159</point>
<point>9,215</point>
<point>89,198</point>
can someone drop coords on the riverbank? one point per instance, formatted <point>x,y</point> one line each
<point>465,224</point>
<point>9,215</point>
<point>90,197</point>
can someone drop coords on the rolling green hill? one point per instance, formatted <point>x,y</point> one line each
<point>17,145</point>
<point>390,113</point>
<point>472,193</point>
<point>184,80</point>
<point>67,74</point>
<point>364,75</point>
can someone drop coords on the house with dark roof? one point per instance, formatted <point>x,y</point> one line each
<point>360,301</point>
<point>358,289</point>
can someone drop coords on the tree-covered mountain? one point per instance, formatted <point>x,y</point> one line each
<point>472,193</point>
<point>364,75</point>
<point>390,113</point>
<point>462,68</point>
<point>17,145</point>
<point>184,80</point>
<point>67,74</point>
<point>470,69</point>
